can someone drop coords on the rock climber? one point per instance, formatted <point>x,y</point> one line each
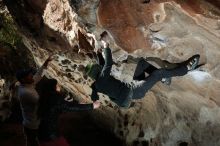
<point>122,93</point>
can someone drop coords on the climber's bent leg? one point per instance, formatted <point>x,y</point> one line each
<point>141,68</point>
<point>140,89</point>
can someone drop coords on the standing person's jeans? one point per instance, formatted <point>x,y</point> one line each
<point>139,89</point>
<point>31,137</point>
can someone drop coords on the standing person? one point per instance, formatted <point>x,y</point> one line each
<point>28,98</point>
<point>122,93</point>
<point>51,105</point>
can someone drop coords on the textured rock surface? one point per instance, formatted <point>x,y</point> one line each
<point>186,112</point>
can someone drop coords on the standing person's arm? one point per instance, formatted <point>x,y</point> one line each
<point>108,62</point>
<point>69,107</point>
<point>94,95</point>
<point>38,75</point>
<point>65,106</point>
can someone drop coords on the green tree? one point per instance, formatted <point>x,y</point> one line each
<point>8,30</point>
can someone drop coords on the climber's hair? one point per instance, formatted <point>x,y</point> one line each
<point>103,34</point>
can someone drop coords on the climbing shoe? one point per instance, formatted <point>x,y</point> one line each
<point>192,62</point>
<point>166,81</point>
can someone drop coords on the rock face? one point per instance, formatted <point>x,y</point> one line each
<point>185,113</point>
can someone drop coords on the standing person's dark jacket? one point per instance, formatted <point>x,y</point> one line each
<point>107,84</point>
<point>52,104</point>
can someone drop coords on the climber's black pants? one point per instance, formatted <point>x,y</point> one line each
<point>140,88</point>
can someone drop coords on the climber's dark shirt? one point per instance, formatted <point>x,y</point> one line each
<point>107,84</point>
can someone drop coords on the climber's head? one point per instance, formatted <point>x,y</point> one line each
<point>93,70</point>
